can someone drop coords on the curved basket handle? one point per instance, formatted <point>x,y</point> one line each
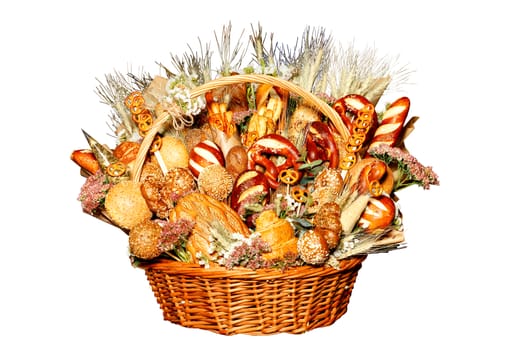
<point>310,98</point>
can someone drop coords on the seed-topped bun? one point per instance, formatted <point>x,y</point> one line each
<point>216,182</point>
<point>312,247</point>
<point>125,205</point>
<point>144,240</point>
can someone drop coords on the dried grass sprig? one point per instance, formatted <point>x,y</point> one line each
<point>309,59</point>
<point>364,72</point>
<point>193,67</point>
<point>264,53</point>
<point>231,58</point>
<point>113,92</point>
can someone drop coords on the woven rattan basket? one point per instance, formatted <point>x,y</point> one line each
<point>244,301</point>
<point>256,302</point>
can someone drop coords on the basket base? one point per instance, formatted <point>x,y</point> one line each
<point>242,301</point>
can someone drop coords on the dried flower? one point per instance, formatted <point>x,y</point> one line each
<point>247,252</point>
<point>180,94</point>
<point>232,249</point>
<point>288,260</point>
<point>174,236</point>
<point>409,170</point>
<point>93,192</point>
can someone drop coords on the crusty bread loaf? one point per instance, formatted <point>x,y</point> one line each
<point>207,213</point>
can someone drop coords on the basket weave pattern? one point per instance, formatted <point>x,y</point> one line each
<point>243,301</point>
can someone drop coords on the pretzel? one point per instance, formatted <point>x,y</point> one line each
<point>358,115</point>
<point>289,176</point>
<point>156,144</point>
<point>299,194</point>
<point>372,176</point>
<point>273,145</point>
<point>116,169</point>
<point>348,161</point>
<point>320,144</point>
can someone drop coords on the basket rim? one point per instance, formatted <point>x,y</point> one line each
<point>195,270</point>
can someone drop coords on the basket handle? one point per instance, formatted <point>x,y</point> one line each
<point>310,98</point>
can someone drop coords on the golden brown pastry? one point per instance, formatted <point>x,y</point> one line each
<point>177,183</point>
<point>86,160</point>
<point>278,233</point>
<point>126,151</point>
<point>328,221</point>
<point>326,188</point>
<point>160,192</point>
<point>299,120</point>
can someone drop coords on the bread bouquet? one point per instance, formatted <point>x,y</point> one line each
<point>284,161</point>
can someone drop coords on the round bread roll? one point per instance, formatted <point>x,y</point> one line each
<point>174,152</point>
<point>312,247</point>
<point>216,182</point>
<point>236,161</point>
<point>125,205</point>
<point>144,240</point>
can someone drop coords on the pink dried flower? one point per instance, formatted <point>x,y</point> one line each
<point>326,98</point>
<point>411,170</point>
<point>239,117</point>
<point>93,192</point>
<point>248,254</point>
<point>175,234</point>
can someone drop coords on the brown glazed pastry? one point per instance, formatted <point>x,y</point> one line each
<point>86,160</point>
<point>328,221</point>
<point>126,151</point>
<point>162,191</point>
<point>278,233</point>
<point>236,161</point>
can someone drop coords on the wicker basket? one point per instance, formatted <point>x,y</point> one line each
<point>244,301</point>
<point>255,302</point>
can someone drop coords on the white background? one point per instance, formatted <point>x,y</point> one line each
<point>66,280</point>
